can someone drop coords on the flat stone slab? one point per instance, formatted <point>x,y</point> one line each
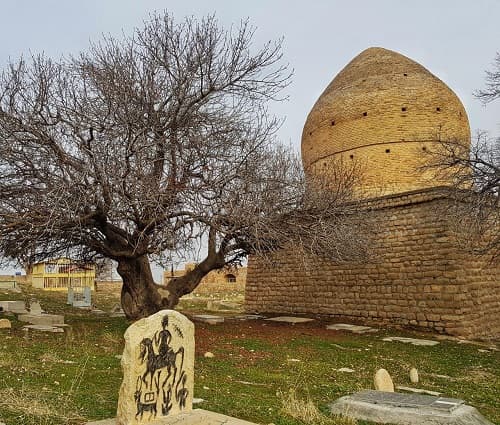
<point>13,306</point>
<point>208,318</point>
<point>407,409</point>
<point>351,328</point>
<point>42,319</point>
<point>413,341</point>
<point>246,317</point>
<point>290,319</point>
<point>195,417</point>
<point>43,328</point>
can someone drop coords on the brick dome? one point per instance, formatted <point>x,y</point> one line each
<point>384,111</point>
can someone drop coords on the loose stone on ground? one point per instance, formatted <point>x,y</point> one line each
<point>414,341</point>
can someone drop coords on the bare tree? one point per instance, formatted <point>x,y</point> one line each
<point>475,174</point>
<point>142,147</point>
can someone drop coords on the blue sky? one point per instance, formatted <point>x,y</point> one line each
<point>456,40</point>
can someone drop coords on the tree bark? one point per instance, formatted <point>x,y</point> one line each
<point>140,295</point>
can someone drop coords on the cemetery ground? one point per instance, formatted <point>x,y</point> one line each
<point>258,367</point>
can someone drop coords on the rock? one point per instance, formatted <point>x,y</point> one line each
<point>383,381</point>
<point>345,369</point>
<point>209,355</point>
<point>198,400</point>
<point>413,375</point>
<point>5,324</point>
<point>158,369</point>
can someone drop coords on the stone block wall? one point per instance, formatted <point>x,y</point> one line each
<point>418,276</point>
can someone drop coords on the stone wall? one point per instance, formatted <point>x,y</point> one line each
<point>418,275</point>
<point>217,281</point>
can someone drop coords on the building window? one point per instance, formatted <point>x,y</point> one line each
<point>230,278</point>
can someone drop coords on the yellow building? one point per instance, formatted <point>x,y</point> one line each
<point>62,273</point>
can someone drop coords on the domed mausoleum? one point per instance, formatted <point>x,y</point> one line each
<point>383,113</point>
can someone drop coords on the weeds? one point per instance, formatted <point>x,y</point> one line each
<point>305,411</point>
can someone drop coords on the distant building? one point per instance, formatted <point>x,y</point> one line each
<point>217,280</point>
<point>62,273</point>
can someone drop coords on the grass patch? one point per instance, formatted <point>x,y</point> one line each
<point>51,379</point>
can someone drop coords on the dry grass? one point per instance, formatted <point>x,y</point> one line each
<point>305,411</point>
<point>39,407</point>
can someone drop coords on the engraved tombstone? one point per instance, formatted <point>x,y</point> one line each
<point>158,369</point>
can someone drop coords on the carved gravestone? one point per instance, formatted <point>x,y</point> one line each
<point>158,369</point>
<point>383,381</point>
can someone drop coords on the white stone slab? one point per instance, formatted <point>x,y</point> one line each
<point>407,409</point>
<point>13,306</point>
<point>158,369</point>
<point>195,417</point>
<point>290,319</point>
<point>208,318</point>
<point>413,341</point>
<point>42,319</point>
<point>351,328</point>
<point>43,328</point>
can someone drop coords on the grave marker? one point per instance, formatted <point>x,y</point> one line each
<point>158,369</point>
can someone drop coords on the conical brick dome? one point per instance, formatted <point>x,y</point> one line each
<point>384,111</point>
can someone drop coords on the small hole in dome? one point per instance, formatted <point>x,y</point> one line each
<point>365,114</point>
<point>405,74</point>
<point>351,156</point>
<point>438,109</point>
<point>424,148</point>
<point>310,133</point>
<point>333,122</point>
<point>403,108</point>
<point>387,151</point>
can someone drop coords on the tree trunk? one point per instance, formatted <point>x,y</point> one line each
<point>140,295</point>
